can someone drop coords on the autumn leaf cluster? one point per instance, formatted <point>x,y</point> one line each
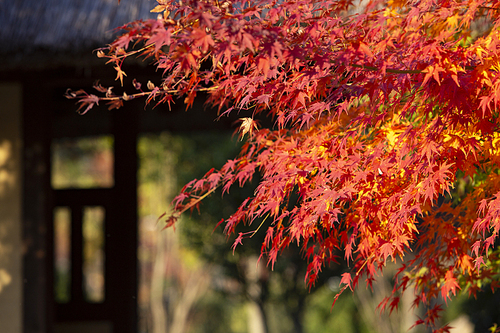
<point>384,144</point>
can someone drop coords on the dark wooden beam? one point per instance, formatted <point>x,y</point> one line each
<point>37,232</point>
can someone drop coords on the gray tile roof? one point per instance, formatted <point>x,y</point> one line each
<point>29,27</point>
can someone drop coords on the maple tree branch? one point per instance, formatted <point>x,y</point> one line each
<point>388,70</point>
<point>364,264</point>
<point>196,201</point>
<point>488,8</point>
<point>101,54</point>
<point>127,97</point>
<point>399,71</point>
<point>255,231</point>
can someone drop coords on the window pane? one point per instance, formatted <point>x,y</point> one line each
<point>93,254</point>
<point>82,162</point>
<point>62,254</point>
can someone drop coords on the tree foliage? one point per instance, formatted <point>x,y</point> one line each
<point>384,141</point>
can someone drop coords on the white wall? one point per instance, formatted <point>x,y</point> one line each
<point>10,208</point>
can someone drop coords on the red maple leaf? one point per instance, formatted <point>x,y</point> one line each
<point>450,285</point>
